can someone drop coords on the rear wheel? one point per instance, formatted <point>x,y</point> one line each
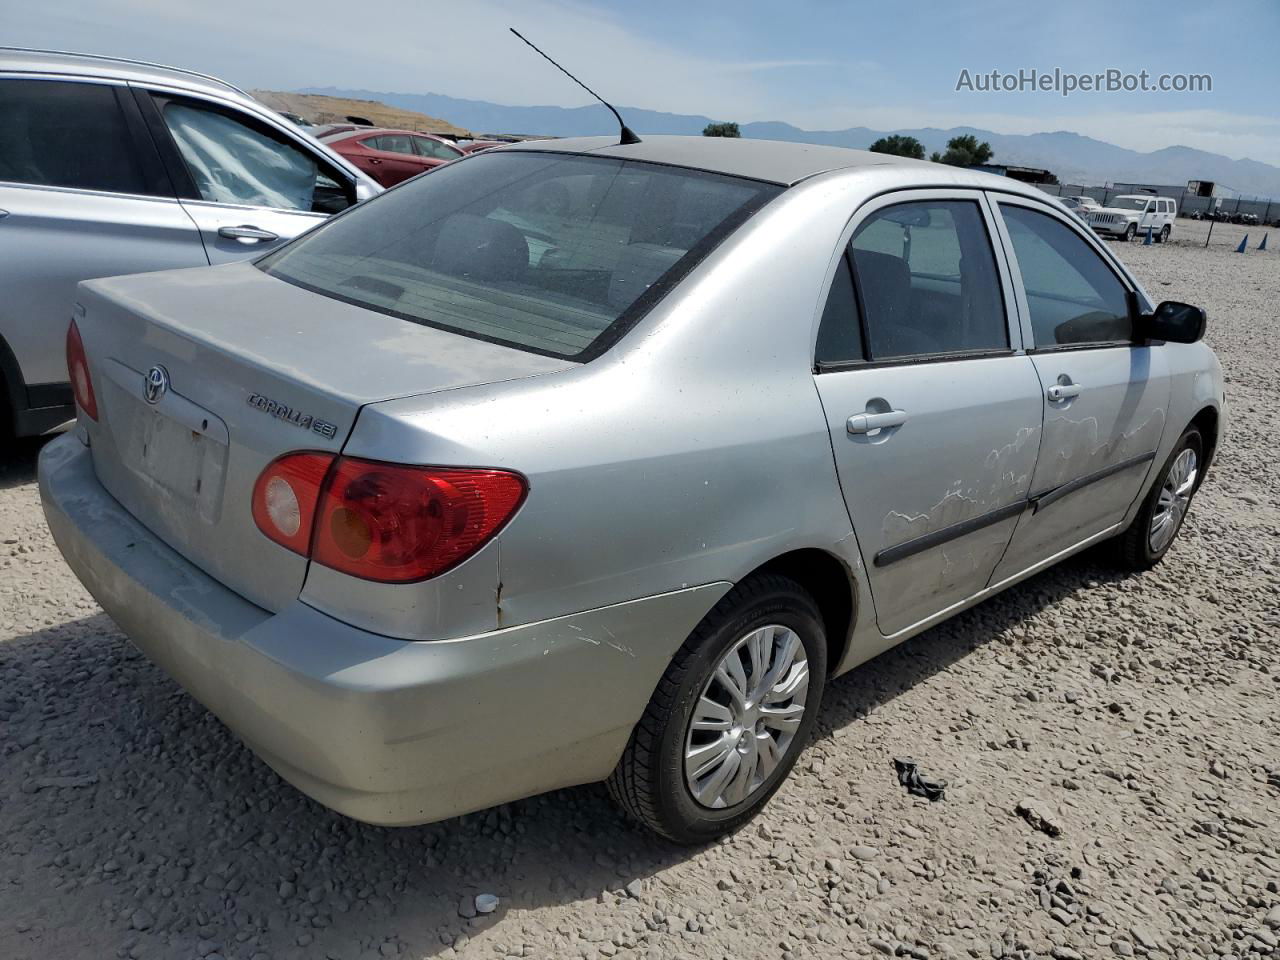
<point>730,715</point>
<point>1153,530</point>
<point>1163,235</point>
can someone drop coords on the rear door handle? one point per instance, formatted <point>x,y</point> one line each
<point>3,214</point>
<point>866,422</point>
<point>247,233</point>
<point>1063,391</point>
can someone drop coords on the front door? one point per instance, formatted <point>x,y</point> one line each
<point>246,187</point>
<point>1104,396</point>
<point>934,411</point>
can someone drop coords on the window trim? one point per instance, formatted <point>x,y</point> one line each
<point>893,197</point>
<point>143,148</point>
<point>1092,241</point>
<point>151,102</point>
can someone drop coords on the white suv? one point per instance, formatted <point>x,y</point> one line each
<point>1129,216</point>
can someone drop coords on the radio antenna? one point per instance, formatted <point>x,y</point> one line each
<point>627,135</point>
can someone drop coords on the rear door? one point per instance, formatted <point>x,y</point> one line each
<point>1104,396</point>
<point>934,410</point>
<point>247,186</point>
<point>399,161</point>
<point>82,195</point>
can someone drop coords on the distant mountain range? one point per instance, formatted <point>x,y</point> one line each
<point>1074,158</point>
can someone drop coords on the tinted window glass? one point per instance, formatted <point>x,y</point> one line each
<point>436,149</point>
<point>928,281</point>
<point>234,161</point>
<point>839,336</point>
<point>1073,295</point>
<point>546,252</point>
<point>396,143</point>
<point>61,134</point>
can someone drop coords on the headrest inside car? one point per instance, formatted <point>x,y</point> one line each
<point>478,248</point>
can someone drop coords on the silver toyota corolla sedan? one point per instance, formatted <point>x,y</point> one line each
<point>579,461</point>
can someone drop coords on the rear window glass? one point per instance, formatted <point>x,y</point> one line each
<point>556,254</point>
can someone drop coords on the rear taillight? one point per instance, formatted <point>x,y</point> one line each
<point>78,371</point>
<point>285,497</point>
<point>383,521</point>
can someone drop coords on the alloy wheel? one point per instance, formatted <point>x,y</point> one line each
<point>746,717</point>
<point>1175,497</point>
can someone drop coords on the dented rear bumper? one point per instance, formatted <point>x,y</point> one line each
<point>384,730</point>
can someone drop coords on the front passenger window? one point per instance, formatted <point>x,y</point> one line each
<point>233,162</point>
<point>1074,297</point>
<point>928,283</point>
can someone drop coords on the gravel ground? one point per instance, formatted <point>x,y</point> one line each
<point>1131,719</point>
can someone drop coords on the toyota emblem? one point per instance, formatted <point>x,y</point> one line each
<point>155,384</point>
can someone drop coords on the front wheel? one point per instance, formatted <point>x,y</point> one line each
<point>1131,231</point>
<point>1153,530</point>
<point>730,715</point>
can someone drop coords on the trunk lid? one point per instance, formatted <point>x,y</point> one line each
<point>252,368</point>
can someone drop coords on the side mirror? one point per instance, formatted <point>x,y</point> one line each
<point>364,191</point>
<point>1174,322</point>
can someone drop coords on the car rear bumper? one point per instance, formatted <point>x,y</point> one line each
<point>383,730</point>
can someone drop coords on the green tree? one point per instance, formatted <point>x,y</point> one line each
<point>899,146</point>
<point>965,151</point>
<point>721,130</point>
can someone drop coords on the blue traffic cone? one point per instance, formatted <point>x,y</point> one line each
<point>1146,242</point>
<point>1240,249</point>
<point>1263,244</point>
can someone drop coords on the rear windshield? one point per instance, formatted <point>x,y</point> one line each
<point>551,253</point>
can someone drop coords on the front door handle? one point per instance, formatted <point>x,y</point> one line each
<point>3,214</point>
<point>247,233</point>
<point>866,422</point>
<point>1063,391</point>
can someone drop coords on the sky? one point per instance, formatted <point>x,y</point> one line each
<point>818,64</point>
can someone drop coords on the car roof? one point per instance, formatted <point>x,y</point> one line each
<point>775,161</point>
<point>24,60</point>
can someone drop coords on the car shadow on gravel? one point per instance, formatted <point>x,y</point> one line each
<point>18,460</point>
<point>126,806</point>
<point>899,669</point>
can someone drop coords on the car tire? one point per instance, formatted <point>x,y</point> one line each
<point>1142,546</point>
<point>654,782</point>
<point>1130,232</point>
<point>1163,235</point>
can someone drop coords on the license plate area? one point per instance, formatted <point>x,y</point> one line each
<point>176,448</point>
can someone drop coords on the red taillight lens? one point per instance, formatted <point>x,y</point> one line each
<point>285,498</point>
<point>396,523</point>
<point>78,371</point>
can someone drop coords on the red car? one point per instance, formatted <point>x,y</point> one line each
<point>390,156</point>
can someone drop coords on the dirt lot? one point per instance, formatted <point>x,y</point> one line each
<point>1137,715</point>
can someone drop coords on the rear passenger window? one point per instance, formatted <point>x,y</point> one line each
<point>928,283</point>
<point>839,336</point>
<point>1073,295</point>
<point>60,134</point>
